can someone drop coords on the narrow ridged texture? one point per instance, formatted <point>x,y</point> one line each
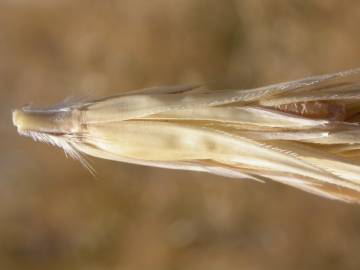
<point>302,133</point>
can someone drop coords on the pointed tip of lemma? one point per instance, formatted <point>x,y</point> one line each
<point>22,120</point>
<point>17,118</point>
<point>43,121</point>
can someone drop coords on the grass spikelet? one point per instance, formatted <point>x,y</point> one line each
<point>302,133</point>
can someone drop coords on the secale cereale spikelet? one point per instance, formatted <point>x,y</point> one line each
<point>303,133</point>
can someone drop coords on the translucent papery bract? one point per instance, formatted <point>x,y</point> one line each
<point>303,133</point>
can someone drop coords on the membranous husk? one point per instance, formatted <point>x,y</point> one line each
<point>303,133</point>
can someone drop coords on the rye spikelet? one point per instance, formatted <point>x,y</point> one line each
<point>303,133</point>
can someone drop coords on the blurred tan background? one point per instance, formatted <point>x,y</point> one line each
<point>55,215</point>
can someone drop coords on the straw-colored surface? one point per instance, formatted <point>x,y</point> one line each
<point>55,215</point>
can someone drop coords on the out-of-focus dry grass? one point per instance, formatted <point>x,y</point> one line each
<point>55,215</point>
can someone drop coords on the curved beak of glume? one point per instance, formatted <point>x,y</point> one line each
<point>18,119</point>
<point>40,121</point>
<point>24,120</point>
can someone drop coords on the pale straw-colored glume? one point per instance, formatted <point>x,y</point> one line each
<point>303,133</point>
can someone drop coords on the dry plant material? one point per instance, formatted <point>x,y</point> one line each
<point>303,133</point>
